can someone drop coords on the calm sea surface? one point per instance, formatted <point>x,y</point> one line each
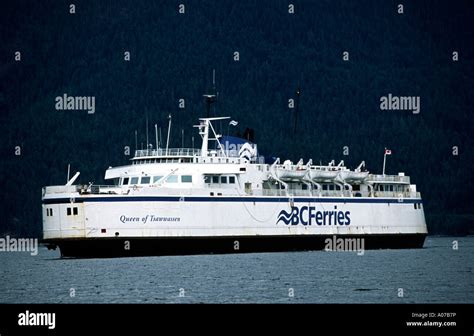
<point>434,274</point>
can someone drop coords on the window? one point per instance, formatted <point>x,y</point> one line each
<point>134,180</point>
<point>207,179</point>
<point>232,179</point>
<point>224,179</point>
<point>69,211</point>
<point>156,179</point>
<point>125,181</point>
<point>186,179</point>
<point>391,187</point>
<point>215,179</point>
<point>145,180</point>
<point>172,179</point>
<point>75,211</point>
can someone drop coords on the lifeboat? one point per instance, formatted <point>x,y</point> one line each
<point>289,171</point>
<point>352,176</point>
<point>324,174</point>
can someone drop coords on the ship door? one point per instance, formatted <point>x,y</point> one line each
<point>248,188</point>
<point>72,220</point>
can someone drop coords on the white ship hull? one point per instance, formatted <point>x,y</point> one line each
<point>219,223</point>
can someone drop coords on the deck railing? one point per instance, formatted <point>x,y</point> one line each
<point>388,178</point>
<point>187,152</point>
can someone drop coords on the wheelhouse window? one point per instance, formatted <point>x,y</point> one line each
<point>224,179</point>
<point>145,180</point>
<point>172,179</point>
<point>75,211</point>
<point>232,179</point>
<point>69,211</point>
<point>134,180</point>
<point>215,179</point>
<point>125,181</point>
<point>156,179</point>
<point>186,179</point>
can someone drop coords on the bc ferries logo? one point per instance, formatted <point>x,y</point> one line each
<point>248,151</point>
<point>236,146</point>
<point>307,215</point>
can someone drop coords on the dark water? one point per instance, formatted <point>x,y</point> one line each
<point>435,274</point>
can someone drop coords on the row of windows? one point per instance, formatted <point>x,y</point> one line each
<point>143,161</point>
<point>216,179</point>
<point>331,187</point>
<point>188,160</point>
<point>156,179</point>
<point>72,211</point>
<point>391,187</point>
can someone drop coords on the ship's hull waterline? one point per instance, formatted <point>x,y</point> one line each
<point>162,246</point>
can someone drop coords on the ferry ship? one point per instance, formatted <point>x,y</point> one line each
<point>224,198</point>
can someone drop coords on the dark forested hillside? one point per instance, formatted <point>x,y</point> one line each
<point>172,56</point>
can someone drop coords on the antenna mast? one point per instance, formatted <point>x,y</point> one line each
<point>169,131</point>
<point>159,138</point>
<point>156,136</point>
<point>147,143</point>
<point>298,92</point>
<point>211,97</point>
<point>136,140</point>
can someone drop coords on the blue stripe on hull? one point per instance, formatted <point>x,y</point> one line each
<point>228,199</point>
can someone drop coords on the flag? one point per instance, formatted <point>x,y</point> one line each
<point>388,151</point>
<point>233,123</point>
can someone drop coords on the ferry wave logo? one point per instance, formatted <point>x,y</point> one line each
<point>285,217</point>
<point>247,151</point>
